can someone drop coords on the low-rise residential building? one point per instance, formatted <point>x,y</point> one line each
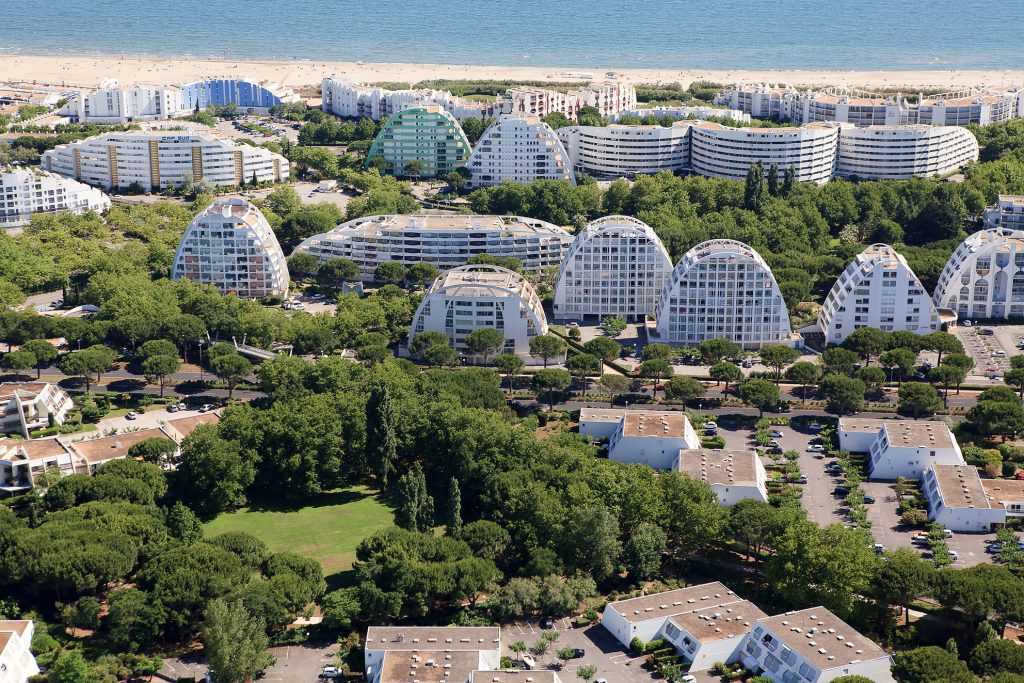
<point>518,149</point>
<point>812,645</point>
<point>113,104</point>
<point>763,100</point>
<point>899,448</point>
<point>1006,493</point>
<point>27,192</point>
<point>652,438</point>
<point>17,663</point>
<point>957,499</point>
<point>231,246</point>
<point>732,475</point>
<point>705,623</point>
<point>515,676</point>
<point>91,453</point>
<point>25,406</point>
<point>423,134</point>
<point>608,97</point>
<point>617,150</point>
<point>600,423</point>
<point>23,460</point>
<point>430,654</point>
<point>1008,213</point>
<point>357,101</point>
<point>444,241</point>
<point>471,297</point>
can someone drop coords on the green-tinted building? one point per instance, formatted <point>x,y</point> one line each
<point>425,133</point>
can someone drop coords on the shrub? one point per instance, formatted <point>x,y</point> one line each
<point>637,646</point>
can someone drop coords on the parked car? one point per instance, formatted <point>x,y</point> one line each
<point>869,500</point>
<point>182,406</point>
<point>173,408</point>
<point>547,622</point>
<point>966,323</point>
<point>802,479</point>
<point>879,548</point>
<point>920,539</point>
<point>206,407</point>
<point>710,425</point>
<point>774,444</point>
<point>815,427</point>
<point>994,548</point>
<point>834,468</point>
<point>577,653</point>
<point>330,673</point>
<point>775,450</point>
<point>131,415</point>
<point>954,554</point>
<point>985,332</point>
<point>776,433</point>
<point>841,490</point>
<point>530,662</point>
<point>816,448</point>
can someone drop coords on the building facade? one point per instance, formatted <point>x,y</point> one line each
<point>957,499</point>
<point>718,151</point>
<point>17,663</point>
<point>616,151</point>
<point>723,289</point>
<point>984,276</point>
<point>158,159</point>
<point>899,448</point>
<point>762,100</point>
<point>878,289</point>
<point>600,423</point>
<point>683,112</point>
<point>426,134</point>
<point>112,104</point>
<point>248,95</point>
<point>904,152</point>
<point>445,241</point>
<point>467,298</point>
<point>608,97</point>
<point>732,475</point>
<point>26,406</point>
<point>652,438</point>
<point>616,265</point>
<point>518,149</point>
<point>25,192</point>
<point>355,101</point>
<point>1008,213</point>
<point>231,246</point>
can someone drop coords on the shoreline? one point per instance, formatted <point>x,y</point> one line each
<point>87,71</point>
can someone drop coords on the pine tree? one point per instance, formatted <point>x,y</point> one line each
<point>255,182</point>
<point>773,180</point>
<point>454,521</point>
<point>381,445</point>
<point>788,181</point>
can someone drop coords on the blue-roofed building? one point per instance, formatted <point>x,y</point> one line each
<point>249,96</point>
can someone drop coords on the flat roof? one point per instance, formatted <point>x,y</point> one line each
<point>1011,200</point>
<point>427,666</point>
<point>861,424</point>
<point>720,621</point>
<point>602,414</point>
<point>12,449</point>
<point>482,281</point>
<point>186,425</point>
<point>822,638</point>
<point>433,637</point>
<point>515,676</point>
<point>1004,490</point>
<point>5,637</point>
<point>673,602</point>
<point>960,486</point>
<point>19,626</point>
<point>719,466</point>
<point>915,434</point>
<point>8,389</point>
<point>667,424</point>
<point>110,447</point>
<point>451,223</point>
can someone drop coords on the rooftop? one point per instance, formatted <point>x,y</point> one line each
<point>452,223</point>
<point>9,389</point>
<point>481,281</point>
<point>726,619</point>
<point>602,414</point>
<point>186,425</point>
<point>427,666</point>
<point>670,424</point>
<point>433,637</point>
<point>915,434</point>
<point>689,600</point>
<point>960,486</point>
<point>719,466</point>
<point>1003,490</point>
<point>17,449</point>
<point>822,638</point>
<point>515,676</point>
<point>19,626</point>
<point>1014,200</point>
<point>110,447</point>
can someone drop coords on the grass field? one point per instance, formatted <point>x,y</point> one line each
<point>326,529</point>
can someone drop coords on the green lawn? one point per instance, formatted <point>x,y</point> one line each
<point>326,529</point>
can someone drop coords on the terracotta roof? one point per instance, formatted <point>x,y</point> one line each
<point>186,425</point>
<point>960,486</point>
<point>112,447</point>
<point>19,626</point>
<point>669,424</point>
<point>427,666</point>
<point>822,638</point>
<point>1004,490</point>
<point>719,466</point>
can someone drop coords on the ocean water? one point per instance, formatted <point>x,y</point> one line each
<point>596,34</point>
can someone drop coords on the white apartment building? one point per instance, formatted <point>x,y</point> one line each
<point>957,499</point>
<point>600,423</point>
<point>1008,213</point>
<point>430,654</point>
<point>723,289</point>
<point>969,106</point>
<point>984,276</point>
<point>17,663</point>
<point>625,151</point>
<point>231,246</point>
<point>899,448</point>
<point>609,98</point>
<point>423,133</point>
<point>1007,494</point>
<point>718,151</point>
<point>22,460</point>
<point>518,149</point>
<point>878,289</point>
<point>616,265</point>
<point>684,112</point>
<point>351,100</point>
<point>904,152</point>
<point>470,297</point>
<point>112,103</point>
<point>705,623</point>
<point>157,159</point>
<point>652,438</point>
<point>812,645</point>
<point>445,241</point>
<point>26,406</point>
<point>849,106</point>
<point>732,475</point>
<point>763,100</point>
<point>25,192</point>
<point>515,676</point>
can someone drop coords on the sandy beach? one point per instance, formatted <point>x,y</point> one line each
<point>85,71</point>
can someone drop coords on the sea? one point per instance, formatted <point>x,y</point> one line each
<point>600,34</point>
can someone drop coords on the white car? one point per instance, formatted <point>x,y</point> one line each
<point>954,554</point>
<point>815,427</point>
<point>816,448</point>
<point>529,662</point>
<point>966,323</point>
<point>710,425</point>
<point>775,433</point>
<point>774,444</point>
<point>131,415</point>
<point>173,408</point>
<point>879,548</point>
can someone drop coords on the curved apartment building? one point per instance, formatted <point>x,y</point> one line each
<point>445,241</point>
<point>249,96</point>
<point>618,150</point>
<point>427,134</point>
<point>25,192</point>
<point>157,159</point>
<point>878,289</point>
<point>231,246</point>
<point>718,151</point>
<point>723,289</point>
<point>615,266</point>
<point>470,297</point>
<point>903,152</point>
<point>984,277</point>
<point>518,149</point>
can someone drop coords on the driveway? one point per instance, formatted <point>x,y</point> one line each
<point>295,664</point>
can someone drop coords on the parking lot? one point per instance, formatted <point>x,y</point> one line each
<point>294,664</point>
<point>989,351</point>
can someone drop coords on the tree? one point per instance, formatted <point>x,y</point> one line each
<point>546,347</point>
<point>439,356</point>
<point>614,385</point>
<point>234,642</point>
<point>484,341</point>
<point>873,378</point>
<point>805,374</point>
<point>303,264</point>
<point>565,654</point>
<point>644,550</point>
<point>901,360</point>
<point>942,342</point>
<point>509,365</point>
<point>424,273</point>
<point>606,349</point>
<point>917,398</point>
<point>426,339</point>
<point>551,379</point>
<point>995,655</point>
<point>993,418</point>
<point>867,342</point>
<point>231,369</point>
<point>656,371</point>
<point>212,476</point>
<point>586,673</point>
<point>755,191</point>
<point>43,351</point>
<point>838,361</point>
<point>19,360</point>
<point>70,667</point>
<point>157,347</point>
<point>156,450</point>
<point>658,351</point>
<point>902,579</point>
<point>788,181</point>
<point>583,365</point>
<point>415,510</point>
<point>842,394</point>
<point>777,357</point>
<point>963,363</point>
<point>414,169</point>
<point>725,372</point>
<point>134,621</point>
<point>714,350</point>
<point>335,273</point>
<point>381,443</point>
<point>613,325</point>
<point>946,376</point>
<point>1014,377</point>
<point>930,665</point>
<point>759,393</point>
<point>389,271</point>
<point>590,543</point>
<point>183,524</point>
<point>159,368</point>
<point>453,522</point>
<point>683,389</point>
<point>93,360</point>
